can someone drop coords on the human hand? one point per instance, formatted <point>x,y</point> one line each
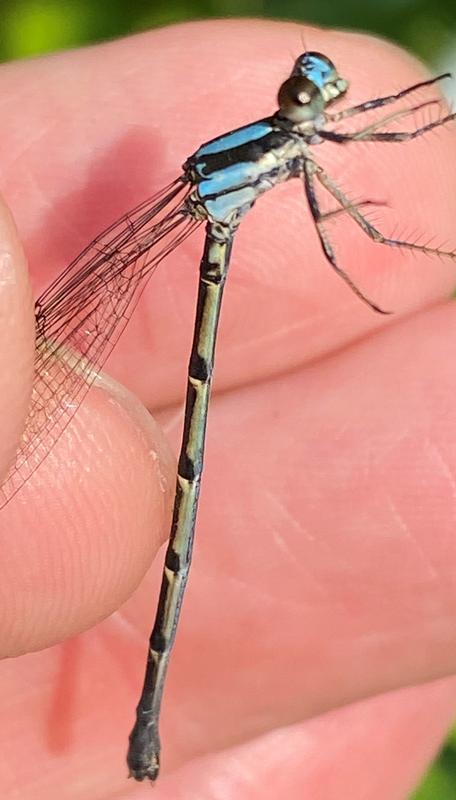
<point>323,570</point>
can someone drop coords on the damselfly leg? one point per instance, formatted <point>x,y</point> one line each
<point>312,169</point>
<point>366,134</point>
<point>379,102</point>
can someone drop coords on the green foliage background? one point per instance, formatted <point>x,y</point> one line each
<point>29,27</point>
<point>427,27</point>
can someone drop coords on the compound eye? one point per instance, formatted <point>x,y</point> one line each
<point>322,72</point>
<point>300,100</point>
<point>317,67</point>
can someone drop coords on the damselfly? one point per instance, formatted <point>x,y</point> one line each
<point>82,314</point>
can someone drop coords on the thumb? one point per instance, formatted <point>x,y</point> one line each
<point>17,330</point>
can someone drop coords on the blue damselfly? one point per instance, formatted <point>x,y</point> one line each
<point>81,315</point>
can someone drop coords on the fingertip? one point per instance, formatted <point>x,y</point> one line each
<point>17,331</point>
<point>83,530</point>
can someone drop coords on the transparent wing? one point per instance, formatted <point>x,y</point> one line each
<point>82,314</point>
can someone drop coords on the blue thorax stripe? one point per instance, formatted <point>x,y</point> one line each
<point>248,133</point>
<point>229,178</point>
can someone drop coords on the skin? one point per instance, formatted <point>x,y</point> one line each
<point>323,580</point>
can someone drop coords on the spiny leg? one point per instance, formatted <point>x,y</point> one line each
<point>310,169</point>
<point>378,102</point>
<point>143,757</point>
<point>379,123</point>
<point>365,134</point>
<point>335,212</point>
<point>314,169</point>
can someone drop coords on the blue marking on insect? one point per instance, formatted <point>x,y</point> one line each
<point>231,177</point>
<point>317,68</point>
<point>223,206</point>
<point>236,138</point>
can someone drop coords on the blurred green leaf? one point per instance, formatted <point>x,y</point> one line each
<point>440,781</point>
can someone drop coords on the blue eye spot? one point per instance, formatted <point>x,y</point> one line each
<point>319,69</point>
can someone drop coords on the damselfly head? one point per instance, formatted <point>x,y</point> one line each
<point>300,100</point>
<point>322,72</point>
